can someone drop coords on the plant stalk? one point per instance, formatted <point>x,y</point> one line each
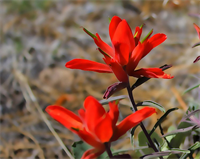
<point>107,146</point>
<point>141,124</point>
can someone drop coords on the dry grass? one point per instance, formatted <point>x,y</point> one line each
<point>32,80</point>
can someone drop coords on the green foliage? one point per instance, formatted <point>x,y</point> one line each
<point>80,147</point>
<point>106,101</point>
<point>191,88</point>
<point>25,6</point>
<point>162,119</point>
<point>192,149</point>
<point>153,104</point>
<point>158,141</point>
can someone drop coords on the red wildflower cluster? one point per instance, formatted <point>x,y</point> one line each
<point>96,126</point>
<point>125,53</point>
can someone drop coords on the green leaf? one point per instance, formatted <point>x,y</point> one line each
<point>104,53</point>
<point>121,151</point>
<point>92,35</point>
<point>179,138</point>
<point>165,153</point>
<point>191,88</point>
<point>195,45</point>
<point>79,148</point>
<point>153,104</point>
<point>147,36</point>
<point>132,135</point>
<point>106,101</point>
<point>195,146</point>
<point>143,141</point>
<point>162,119</point>
<point>197,156</point>
<point>184,130</point>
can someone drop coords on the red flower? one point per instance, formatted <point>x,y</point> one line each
<point>197,29</point>
<point>197,44</point>
<point>124,55</point>
<point>96,126</point>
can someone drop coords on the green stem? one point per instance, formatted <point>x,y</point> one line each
<point>107,146</point>
<point>141,124</point>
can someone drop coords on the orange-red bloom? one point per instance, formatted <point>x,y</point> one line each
<point>197,29</point>
<point>96,126</point>
<point>197,44</point>
<point>124,55</point>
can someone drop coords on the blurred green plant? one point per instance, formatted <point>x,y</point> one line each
<point>22,7</point>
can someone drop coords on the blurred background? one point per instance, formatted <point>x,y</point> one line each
<point>39,37</point>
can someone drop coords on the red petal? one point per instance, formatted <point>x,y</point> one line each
<point>122,53</point>
<point>150,73</point>
<point>104,129</point>
<point>94,112</point>
<point>123,35</point>
<point>89,138</point>
<point>114,88</point>
<point>154,41</point>
<point>135,58</point>
<point>88,65</point>
<point>113,112</point>
<point>92,153</point>
<point>157,39</point>
<point>81,113</point>
<point>118,71</point>
<point>137,34</point>
<point>197,29</point>
<point>146,38</point>
<point>197,59</point>
<point>105,47</point>
<point>113,26</point>
<point>65,117</point>
<point>132,120</point>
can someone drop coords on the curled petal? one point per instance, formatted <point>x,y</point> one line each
<point>197,29</point>
<point>65,117</point>
<point>121,53</point>
<point>94,112</point>
<point>135,58</point>
<point>113,112</point>
<point>124,35</point>
<point>81,113</point>
<point>114,88</point>
<point>150,73</point>
<point>113,25</point>
<point>89,138</point>
<point>118,71</point>
<point>137,35</point>
<point>100,43</point>
<point>104,129</point>
<point>88,65</point>
<point>197,59</point>
<point>132,120</point>
<point>92,153</point>
<point>105,47</point>
<point>154,41</point>
<point>157,39</point>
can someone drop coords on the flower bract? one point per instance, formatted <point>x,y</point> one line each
<point>96,126</point>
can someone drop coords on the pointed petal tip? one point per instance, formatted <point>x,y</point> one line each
<point>197,59</point>
<point>50,108</point>
<point>167,76</point>
<point>114,88</point>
